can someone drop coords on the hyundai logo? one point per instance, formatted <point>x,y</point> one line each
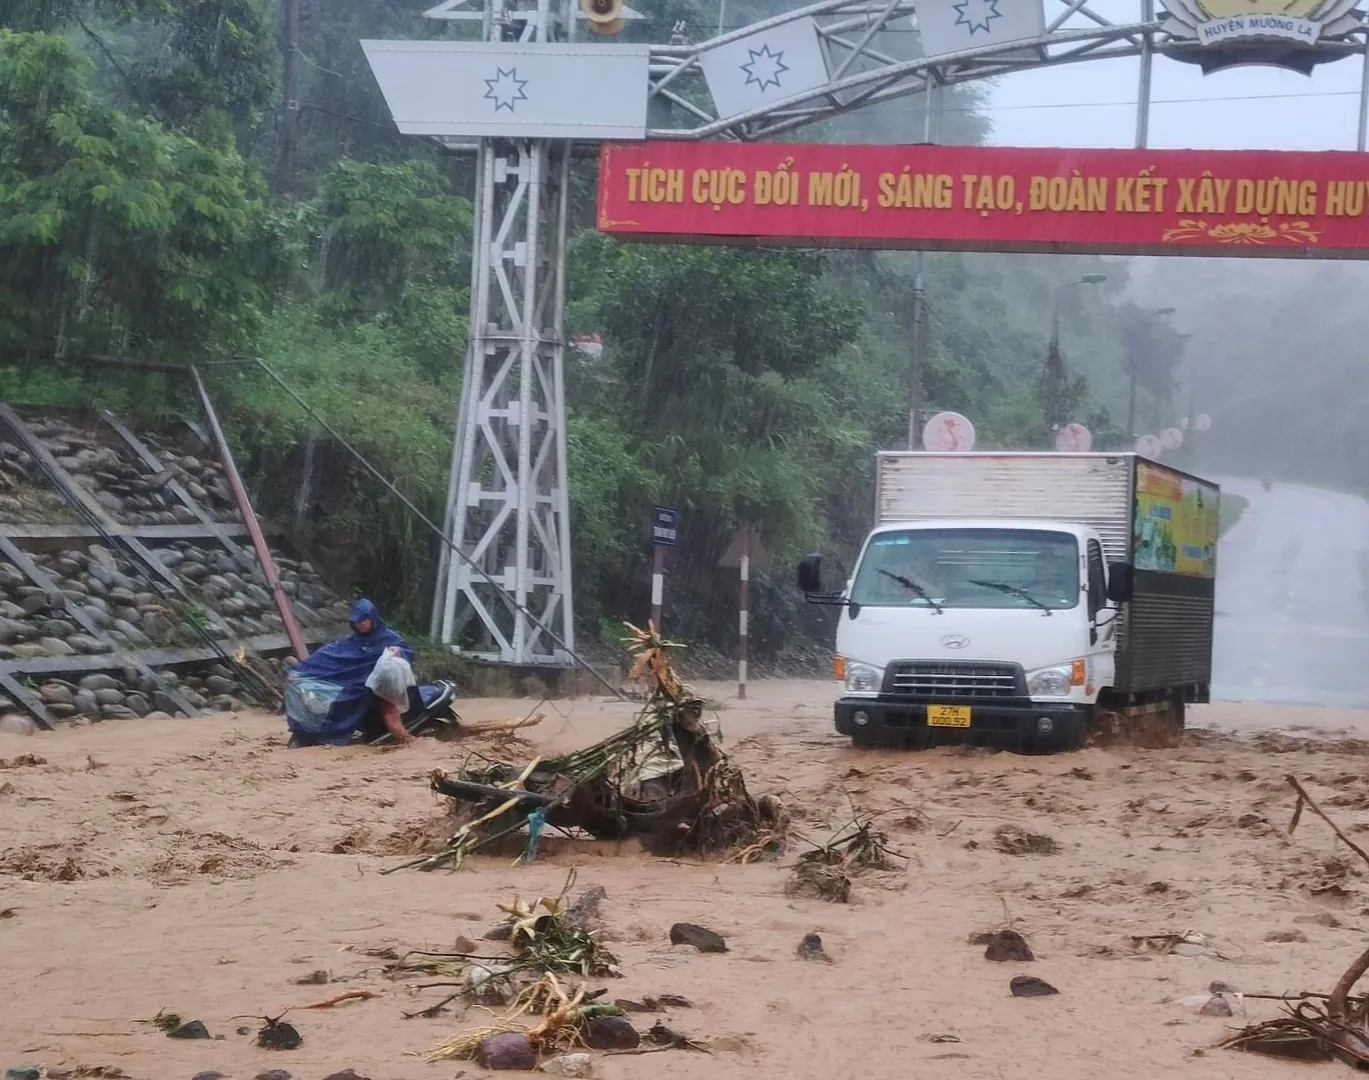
<point>955,641</point>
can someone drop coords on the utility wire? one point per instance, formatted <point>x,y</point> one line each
<point>440,533</point>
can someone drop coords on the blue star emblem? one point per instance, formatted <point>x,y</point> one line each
<point>764,68</point>
<point>976,15</point>
<point>505,88</point>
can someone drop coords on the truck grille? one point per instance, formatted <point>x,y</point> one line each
<point>950,679</point>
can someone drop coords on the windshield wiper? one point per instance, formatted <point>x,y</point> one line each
<point>1004,587</point>
<point>913,586</point>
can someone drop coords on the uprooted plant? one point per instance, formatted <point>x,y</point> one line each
<point>664,778</point>
<point>825,869</point>
<point>559,1014</point>
<point>547,939</point>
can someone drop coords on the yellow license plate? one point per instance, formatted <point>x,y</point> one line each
<point>948,716</point>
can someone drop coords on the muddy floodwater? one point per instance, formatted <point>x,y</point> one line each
<point>203,869</point>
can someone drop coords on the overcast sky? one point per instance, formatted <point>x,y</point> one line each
<point>1092,104</point>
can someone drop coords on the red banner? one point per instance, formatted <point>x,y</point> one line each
<point>988,198</point>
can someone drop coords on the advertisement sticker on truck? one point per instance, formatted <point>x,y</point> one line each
<point>1175,523</point>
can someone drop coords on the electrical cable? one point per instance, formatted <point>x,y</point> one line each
<point>513,604</point>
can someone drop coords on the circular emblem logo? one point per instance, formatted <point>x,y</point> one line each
<point>955,641</point>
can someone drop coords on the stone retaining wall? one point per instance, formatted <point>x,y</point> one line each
<point>86,627</point>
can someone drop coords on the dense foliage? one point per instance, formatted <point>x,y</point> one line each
<point>142,214</point>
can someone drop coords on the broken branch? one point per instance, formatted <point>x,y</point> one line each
<point>1303,797</point>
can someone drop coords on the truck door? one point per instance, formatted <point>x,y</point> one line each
<point>1102,660</point>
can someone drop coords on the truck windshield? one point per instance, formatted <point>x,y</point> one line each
<point>969,568</point>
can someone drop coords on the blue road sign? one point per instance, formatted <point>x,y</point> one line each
<point>664,526</point>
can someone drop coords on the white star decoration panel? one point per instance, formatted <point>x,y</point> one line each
<point>763,68</point>
<point>949,26</point>
<point>463,89</point>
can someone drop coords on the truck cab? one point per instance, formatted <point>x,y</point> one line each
<point>1002,627</point>
<point>1012,597</point>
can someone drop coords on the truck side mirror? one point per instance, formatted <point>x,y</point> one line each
<point>1120,581</point>
<point>810,574</point>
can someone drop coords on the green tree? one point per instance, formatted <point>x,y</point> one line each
<point>115,233</point>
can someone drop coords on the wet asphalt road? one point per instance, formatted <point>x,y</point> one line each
<point>1292,621</point>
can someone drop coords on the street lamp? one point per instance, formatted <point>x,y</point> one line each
<point>1131,398</point>
<point>1055,363</point>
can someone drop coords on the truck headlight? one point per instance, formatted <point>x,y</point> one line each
<point>1050,682</point>
<point>863,679</point>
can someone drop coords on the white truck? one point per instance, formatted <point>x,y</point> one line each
<point>1011,598</point>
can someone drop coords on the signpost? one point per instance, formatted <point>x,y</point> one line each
<point>664,530</point>
<point>744,552</point>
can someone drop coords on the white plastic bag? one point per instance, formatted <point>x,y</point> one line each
<point>391,678</point>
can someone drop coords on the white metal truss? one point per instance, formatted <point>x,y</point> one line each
<point>509,598</point>
<point>862,73</point>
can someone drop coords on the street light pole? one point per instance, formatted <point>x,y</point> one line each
<point>931,123</point>
<point>1055,361</point>
<point>1131,399</point>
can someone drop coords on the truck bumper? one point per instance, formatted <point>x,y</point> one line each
<point>1014,724</point>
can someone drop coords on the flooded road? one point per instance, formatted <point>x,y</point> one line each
<point>1292,619</point>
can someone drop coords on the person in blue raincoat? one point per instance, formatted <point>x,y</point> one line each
<point>335,677</point>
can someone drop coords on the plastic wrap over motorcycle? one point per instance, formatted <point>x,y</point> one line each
<point>308,702</point>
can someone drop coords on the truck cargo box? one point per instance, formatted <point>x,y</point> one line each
<point>1161,521</point>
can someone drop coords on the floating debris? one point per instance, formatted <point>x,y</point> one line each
<point>664,778</point>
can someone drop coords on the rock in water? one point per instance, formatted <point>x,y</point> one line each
<point>14,724</point>
<point>1030,986</point>
<point>192,1030</point>
<point>1008,945</point>
<point>704,940</point>
<point>810,948</point>
<point>346,1074</point>
<point>1216,1005</point>
<point>165,703</point>
<point>572,1065</point>
<point>278,1035</point>
<point>610,1033</point>
<point>508,1050</point>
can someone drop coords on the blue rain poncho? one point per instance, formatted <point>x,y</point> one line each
<point>326,698</point>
